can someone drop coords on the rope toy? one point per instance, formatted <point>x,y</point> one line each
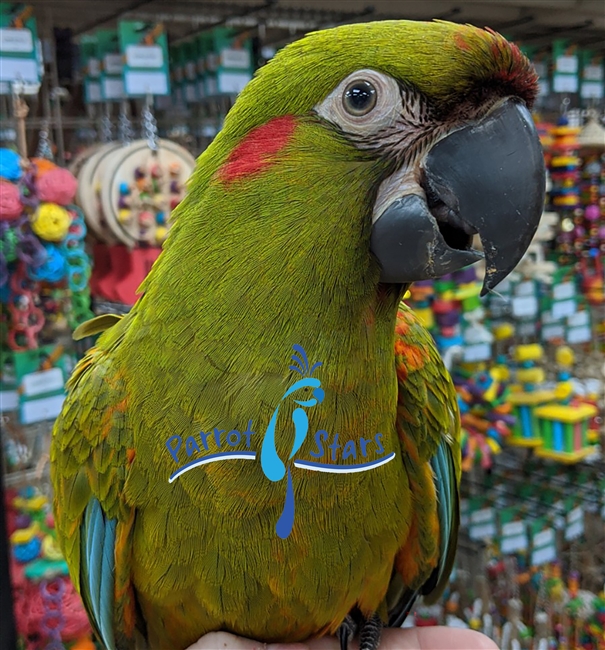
<point>57,186</point>
<point>50,222</point>
<point>10,202</point>
<point>10,165</point>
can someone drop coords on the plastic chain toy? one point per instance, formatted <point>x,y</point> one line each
<point>42,248</point>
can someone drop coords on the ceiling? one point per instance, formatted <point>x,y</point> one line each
<point>535,22</point>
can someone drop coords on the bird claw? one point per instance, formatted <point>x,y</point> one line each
<point>346,632</point>
<point>369,632</point>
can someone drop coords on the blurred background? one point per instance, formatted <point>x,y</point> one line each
<point>104,107</point>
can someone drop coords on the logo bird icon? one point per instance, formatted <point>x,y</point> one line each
<point>272,465</point>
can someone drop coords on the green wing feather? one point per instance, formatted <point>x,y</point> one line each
<point>95,326</point>
<point>428,421</point>
<point>91,452</point>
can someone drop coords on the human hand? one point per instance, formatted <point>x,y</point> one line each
<point>411,638</point>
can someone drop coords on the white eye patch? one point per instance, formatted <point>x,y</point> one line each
<point>364,103</point>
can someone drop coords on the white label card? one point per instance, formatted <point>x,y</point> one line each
<point>564,83</point>
<point>46,381</point>
<point>113,88</point>
<point>16,40</point>
<point>550,332</point>
<point>232,82</point>
<point>513,528</point>
<point>190,93</point>
<point>593,73</point>
<point>142,83</point>
<point>483,531</point>
<point>477,352</point>
<point>544,537</point>
<point>483,515</point>
<point>9,400</point>
<point>579,334</point>
<point>578,319</point>
<point>144,56</point>
<point>592,90</point>
<point>544,555</point>
<point>513,544</point>
<point>564,291</point>
<point>563,308</point>
<point>567,64</point>
<point>13,69</point>
<point>239,59</point>
<point>525,306</point>
<point>37,410</point>
<point>190,70</point>
<point>113,63</point>
<point>525,289</point>
<point>94,68</point>
<point>94,93</point>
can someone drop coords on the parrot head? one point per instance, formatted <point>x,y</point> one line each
<point>386,146</point>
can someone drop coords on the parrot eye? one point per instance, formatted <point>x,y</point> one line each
<point>359,98</point>
<point>364,103</point>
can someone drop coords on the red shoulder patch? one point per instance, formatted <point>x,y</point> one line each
<point>258,149</point>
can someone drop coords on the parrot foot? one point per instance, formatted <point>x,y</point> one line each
<point>346,632</point>
<point>371,630</point>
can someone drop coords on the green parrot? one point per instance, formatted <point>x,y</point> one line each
<point>268,443</point>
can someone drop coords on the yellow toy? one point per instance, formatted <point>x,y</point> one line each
<point>525,398</point>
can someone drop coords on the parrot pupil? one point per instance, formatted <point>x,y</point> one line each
<point>360,98</point>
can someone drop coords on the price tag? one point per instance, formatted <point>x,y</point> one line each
<point>525,306</point>
<point>564,291</point>
<point>38,383</point>
<point>9,400</point>
<point>232,82</point>
<point>238,59</point>
<point>592,73</point>
<point>544,555</point>
<point>541,68</point>
<point>190,70</point>
<point>477,352</point>
<point>113,88</point>
<point>565,83</point>
<point>37,410</point>
<point>483,531</point>
<point>579,334</point>
<point>563,308</point>
<point>94,68</point>
<point>526,329</point>
<point>592,90</point>
<point>483,515</point>
<point>142,83</point>
<point>16,40</point>
<point>525,289</point>
<point>113,63</point>
<point>575,524</point>
<point>514,544</point>
<point>543,88</point>
<point>190,93</point>
<point>567,64</point>
<point>483,524</point>
<point>579,319</point>
<point>144,56</point>
<point>552,332</point>
<point>544,537</point>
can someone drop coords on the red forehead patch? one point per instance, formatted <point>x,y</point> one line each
<point>460,41</point>
<point>258,149</point>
